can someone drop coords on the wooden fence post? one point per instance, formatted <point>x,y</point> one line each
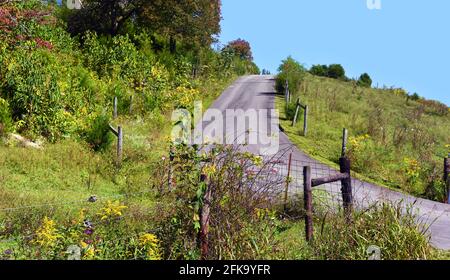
<point>447,176</point>
<point>287,93</point>
<point>305,121</point>
<point>170,172</point>
<point>205,211</point>
<point>297,111</point>
<point>344,142</point>
<point>115,108</point>
<point>307,186</point>
<point>119,146</point>
<point>288,181</point>
<point>130,111</point>
<point>347,195</point>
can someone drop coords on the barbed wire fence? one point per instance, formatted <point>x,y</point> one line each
<point>287,177</point>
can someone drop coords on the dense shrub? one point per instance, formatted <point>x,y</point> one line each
<point>336,71</point>
<point>415,97</point>
<point>435,107</point>
<point>241,48</point>
<point>31,86</point>
<point>291,71</point>
<point>319,70</point>
<point>365,81</point>
<point>5,118</point>
<point>98,134</point>
<point>242,220</point>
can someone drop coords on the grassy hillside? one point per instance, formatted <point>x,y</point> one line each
<point>395,139</point>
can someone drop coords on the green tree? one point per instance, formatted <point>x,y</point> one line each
<point>196,22</point>
<point>336,71</point>
<point>104,16</point>
<point>365,81</point>
<point>319,70</point>
<point>292,71</point>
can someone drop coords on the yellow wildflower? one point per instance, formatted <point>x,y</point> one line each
<point>112,210</point>
<point>151,243</point>
<point>412,168</point>
<point>47,235</point>
<point>210,170</point>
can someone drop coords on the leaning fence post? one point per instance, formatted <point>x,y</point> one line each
<point>347,195</point>
<point>288,181</point>
<point>344,142</point>
<point>447,176</point>
<point>287,93</point>
<point>307,187</point>
<point>305,121</point>
<point>115,107</point>
<point>297,110</point>
<point>119,146</point>
<point>205,211</point>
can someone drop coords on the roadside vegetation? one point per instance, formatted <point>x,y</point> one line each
<point>397,139</point>
<point>63,197</point>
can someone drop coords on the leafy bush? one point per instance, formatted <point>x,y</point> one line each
<point>415,97</point>
<point>319,70</point>
<point>31,86</point>
<point>98,134</point>
<point>364,81</point>
<point>291,71</point>
<point>5,118</point>
<point>241,48</point>
<point>336,71</point>
<point>242,220</point>
<point>290,110</point>
<point>433,107</point>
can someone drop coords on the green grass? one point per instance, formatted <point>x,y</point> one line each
<point>57,181</point>
<point>399,130</point>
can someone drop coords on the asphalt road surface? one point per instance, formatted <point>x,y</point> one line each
<point>257,94</point>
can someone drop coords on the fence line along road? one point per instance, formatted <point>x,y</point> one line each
<point>258,92</point>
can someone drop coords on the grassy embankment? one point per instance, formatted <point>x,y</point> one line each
<point>394,142</point>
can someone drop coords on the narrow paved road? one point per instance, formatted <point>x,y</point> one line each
<point>257,93</point>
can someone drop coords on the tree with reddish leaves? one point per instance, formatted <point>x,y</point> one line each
<point>241,48</point>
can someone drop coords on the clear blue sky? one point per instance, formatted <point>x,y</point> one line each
<point>405,44</point>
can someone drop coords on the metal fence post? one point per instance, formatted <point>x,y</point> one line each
<point>307,186</point>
